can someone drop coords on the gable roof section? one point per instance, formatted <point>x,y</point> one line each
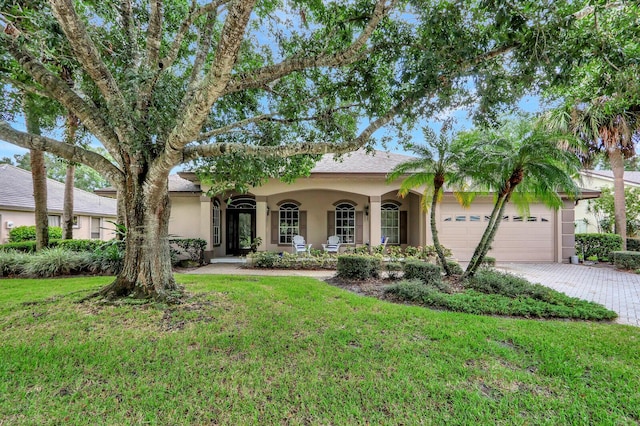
<point>16,193</point>
<point>359,162</point>
<point>632,178</point>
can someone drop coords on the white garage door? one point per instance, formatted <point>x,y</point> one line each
<point>519,238</point>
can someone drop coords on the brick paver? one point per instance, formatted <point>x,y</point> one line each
<point>618,291</point>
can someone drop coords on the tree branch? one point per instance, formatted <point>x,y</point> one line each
<point>126,13</point>
<point>214,150</point>
<point>259,78</point>
<point>88,55</point>
<point>57,89</point>
<point>64,150</point>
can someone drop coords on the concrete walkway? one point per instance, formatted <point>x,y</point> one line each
<point>618,291</point>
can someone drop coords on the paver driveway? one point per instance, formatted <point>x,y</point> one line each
<point>618,291</point>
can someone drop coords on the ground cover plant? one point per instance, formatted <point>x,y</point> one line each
<point>269,350</point>
<point>491,292</point>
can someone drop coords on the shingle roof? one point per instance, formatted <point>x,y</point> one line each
<point>16,193</point>
<point>178,184</point>
<point>360,162</point>
<point>631,177</point>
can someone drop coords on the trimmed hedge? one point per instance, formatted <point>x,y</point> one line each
<point>358,267</point>
<point>626,259</point>
<point>633,244</point>
<point>72,245</point>
<point>428,273</point>
<point>28,233</point>
<point>193,248</point>
<point>601,245</point>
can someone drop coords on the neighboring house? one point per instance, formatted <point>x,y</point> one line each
<point>595,180</point>
<point>351,199</point>
<point>92,213</point>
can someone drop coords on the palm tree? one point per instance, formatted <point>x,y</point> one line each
<point>519,163</point>
<point>602,128</point>
<point>435,165</point>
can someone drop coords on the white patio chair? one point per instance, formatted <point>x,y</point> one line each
<point>333,244</point>
<point>300,245</point>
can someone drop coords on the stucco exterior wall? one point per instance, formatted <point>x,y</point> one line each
<point>81,232</point>
<point>184,221</point>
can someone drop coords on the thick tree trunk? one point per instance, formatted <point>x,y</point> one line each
<point>67,212</point>
<point>39,177</point>
<point>434,229</point>
<point>620,213</point>
<point>147,263</point>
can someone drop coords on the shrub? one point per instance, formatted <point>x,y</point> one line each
<point>633,244</point>
<point>12,262</point>
<point>429,273</point>
<point>23,246</point>
<point>358,267</point>
<point>265,259</point>
<point>193,248</point>
<point>626,259</point>
<point>108,257</point>
<point>77,245</point>
<point>489,261</point>
<point>600,245</point>
<point>393,269</point>
<point>28,233</point>
<point>56,261</point>
<point>496,304</point>
<point>455,268</point>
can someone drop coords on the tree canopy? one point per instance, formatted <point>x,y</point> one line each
<point>255,85</point>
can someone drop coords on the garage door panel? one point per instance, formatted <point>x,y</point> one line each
<point>518,238</point>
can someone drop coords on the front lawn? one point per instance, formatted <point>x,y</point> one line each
<point>271,350</point>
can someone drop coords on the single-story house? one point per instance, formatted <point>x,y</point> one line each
<point>350,198</point>
<point>92,213</point>
<point>595,180</point>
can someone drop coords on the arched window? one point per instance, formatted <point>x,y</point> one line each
<point>390,223</point>
<point>289,222</point>
<point>216,222</point>
<point>242,202</point>
<point>346,223</point>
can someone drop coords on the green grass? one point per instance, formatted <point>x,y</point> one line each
<point>269,350</point>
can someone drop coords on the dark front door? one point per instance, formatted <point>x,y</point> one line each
<point>241,230</point>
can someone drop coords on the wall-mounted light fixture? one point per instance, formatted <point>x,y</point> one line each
<point>366,210</point>
<point>268,210</point>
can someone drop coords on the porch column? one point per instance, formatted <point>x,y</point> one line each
<point>566,226</point>
<point>375,221</point>
<point>206,221</point>
<point>261,220</point>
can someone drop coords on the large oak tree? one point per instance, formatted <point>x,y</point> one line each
<point>254,85</point>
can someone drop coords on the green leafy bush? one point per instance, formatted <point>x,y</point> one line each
<point>489,261</point>
<point>474,302</point>
<point>193,248</point>
<point>51,262</point>
<point>393,270</point>
<point>358,267</point>
<point>626,259</point>
<point>455,268</point>
<point>77,245</point>
<point>601,245</point>
<point>265,259</point>
<point>23,246</point>
<point>28,233</point>
<point>12,262</point>
<point>108,257</point>
<point>633,244</point>
<point>429,273</point>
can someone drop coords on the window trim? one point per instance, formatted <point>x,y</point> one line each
<point>340,209</point>
<point>217,214</point>
<point>291,210</point>
<point>390,207</point>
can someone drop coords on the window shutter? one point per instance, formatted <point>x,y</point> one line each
<point>403,227</point>
<point>359,233</point>
<point>275,228</point>
<point>303,224</point>
<point>331,223</point>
